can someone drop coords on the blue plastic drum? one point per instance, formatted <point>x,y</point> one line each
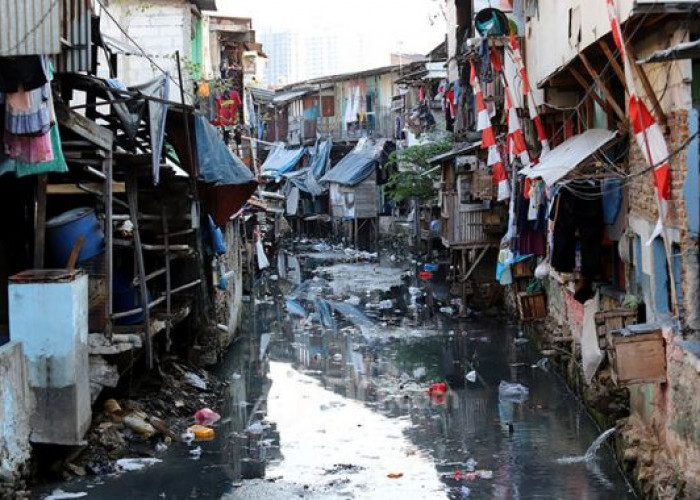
<point>64,230</point>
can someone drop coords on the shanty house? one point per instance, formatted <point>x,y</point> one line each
<point>354,194</point>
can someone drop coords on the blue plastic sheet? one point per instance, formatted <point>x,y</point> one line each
<point>281,160</point>
<point>357,165</point>
<point>217,164</point>
<point>295,308</point>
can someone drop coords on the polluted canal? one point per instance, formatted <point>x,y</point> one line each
<point>347,385</point>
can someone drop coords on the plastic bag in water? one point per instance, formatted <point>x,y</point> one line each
<point>508,391</point>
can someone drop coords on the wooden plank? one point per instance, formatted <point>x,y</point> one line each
<point>72,189</point>
<point>642,361</point>
<point>586,85</point>
<point>660,116</point>
<point>40,222</point>
<point>108,200</point>
<point>606,92</point>
<point>613,61</point>
<point>82,126</point>
<point>132,193</point>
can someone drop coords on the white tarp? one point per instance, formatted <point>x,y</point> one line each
<point>561,160</point>
<point>591,355</point>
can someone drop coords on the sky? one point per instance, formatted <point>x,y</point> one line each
<point>410,26</point>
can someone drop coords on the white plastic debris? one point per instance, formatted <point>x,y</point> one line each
<point>195,381</point>
<point>509,391</point>
<point>471,376</point>
<point>187,437</point>
<point>353,300</point>
<point>256,428</point>
<point>161,447</point>
<point>196,452</point>
<point>59,494</point>
<point>520,341</point>
<point>134,464</point>
<point>337,357</point>
<point>447,310</point>
<point>386,304</point>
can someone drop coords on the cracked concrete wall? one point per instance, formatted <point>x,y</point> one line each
<point>15,407</point>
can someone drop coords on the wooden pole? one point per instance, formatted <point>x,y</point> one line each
<point>40,222</point>
<point>109,238</point>
<point>168,282</point>
<point>606,92</point>
<point>132,194</point>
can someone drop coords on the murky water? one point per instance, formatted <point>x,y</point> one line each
<point>347,395</point>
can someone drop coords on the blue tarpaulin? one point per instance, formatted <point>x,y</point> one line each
<point>320,158</point>
<point>217,164</point>
<point>357,165</point>
<point>307,179</point>
<point>281,160</point>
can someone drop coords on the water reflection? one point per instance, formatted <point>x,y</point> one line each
<point>382,349</point>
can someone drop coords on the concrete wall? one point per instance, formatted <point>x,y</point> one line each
<point>51,319</point>
<point>161,27</point>
<point>15,407</point>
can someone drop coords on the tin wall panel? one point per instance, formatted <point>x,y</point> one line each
<point>30,27</point>
<point>76,19</point>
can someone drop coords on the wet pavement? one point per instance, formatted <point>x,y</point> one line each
<point>336,363</point>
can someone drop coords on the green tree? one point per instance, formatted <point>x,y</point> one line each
<point>414,178</point>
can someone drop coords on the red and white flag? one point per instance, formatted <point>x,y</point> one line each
<point>529,97</point>
<point>646,131</point>
<point>483,120</point>
<point>488,140</point>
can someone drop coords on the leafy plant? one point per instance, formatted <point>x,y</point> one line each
<point>414,178</point>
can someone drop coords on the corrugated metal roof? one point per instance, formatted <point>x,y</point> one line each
<point>685,50</point>
<point>77,30</point>
<point>561,160</point>
<point>30,27</point>
<point>457,150</point>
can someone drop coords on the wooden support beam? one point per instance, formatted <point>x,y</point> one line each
<point>586,85</point>
<point>641,73</point>
<point>40,222</point>
<point>606,92</point>
<point>613,61</point>
<point>132,193</point>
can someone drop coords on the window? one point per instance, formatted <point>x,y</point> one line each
<point>327,105</point>
<point>464,189</point>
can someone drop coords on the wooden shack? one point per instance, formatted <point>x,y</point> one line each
<point>472,225</point>
<point>353,191</point>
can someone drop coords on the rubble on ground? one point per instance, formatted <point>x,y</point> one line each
<point>143,425</point>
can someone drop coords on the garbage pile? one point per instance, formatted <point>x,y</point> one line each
<point>130,433</point>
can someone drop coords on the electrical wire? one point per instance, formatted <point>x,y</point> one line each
<point>143,52</point>
<point>34,28</point>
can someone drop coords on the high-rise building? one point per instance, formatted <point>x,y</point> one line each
<point>294,57</point>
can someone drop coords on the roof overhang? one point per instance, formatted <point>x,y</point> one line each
<point>458,150</point>
<point>561,160</point>
<point>685,50</point>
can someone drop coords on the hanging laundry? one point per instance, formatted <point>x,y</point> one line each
<point>203,89</point>
<point>31,145</point>
<point>578,219</point>
<point>27,112</point>
<point>23,72</point>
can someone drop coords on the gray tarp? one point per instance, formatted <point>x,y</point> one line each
<point>217,164</point>
<point>358,164</point>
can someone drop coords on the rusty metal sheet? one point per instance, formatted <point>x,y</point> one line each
<point>30,27</point>
<point>46,276</point>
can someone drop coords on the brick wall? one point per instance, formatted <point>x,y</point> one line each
<point>642,197</point>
